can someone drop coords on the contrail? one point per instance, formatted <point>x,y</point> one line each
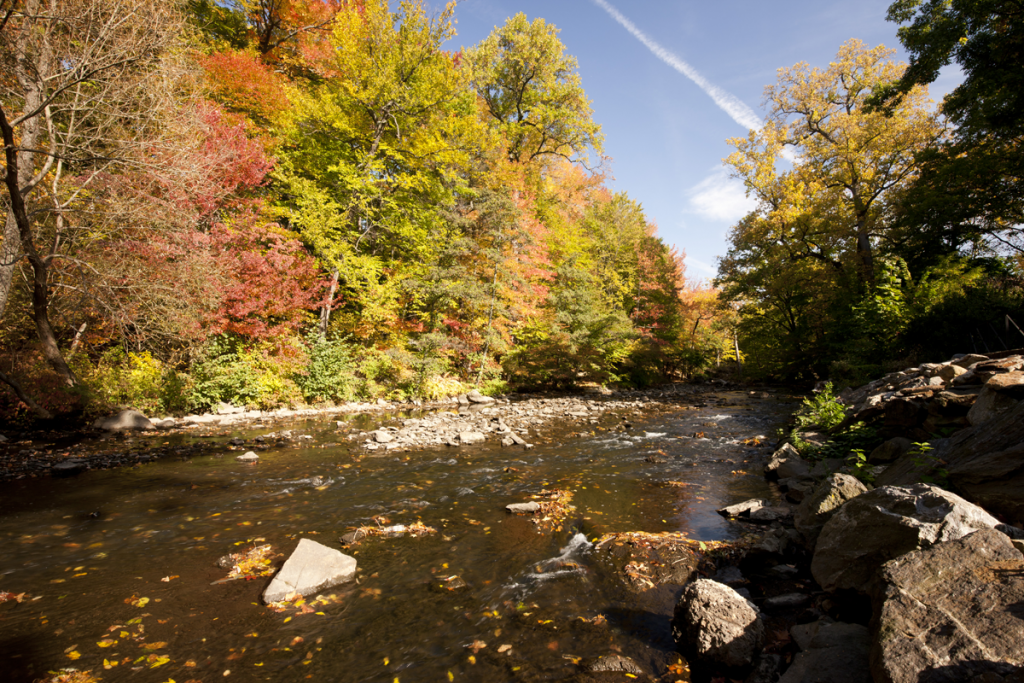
<point>731,105</point>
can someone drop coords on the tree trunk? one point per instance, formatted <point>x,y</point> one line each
<point>864,253</point>
<point>325,310</point>
<point>40,267</point>
<point>25,398</point>
<point>10,251</point>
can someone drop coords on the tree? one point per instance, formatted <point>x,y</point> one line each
<point>372,156</point>
<point>850,162</point>
<point>533,93</point>
<point>807,255</point>
<point>85,86</point>
<point>971,188</point>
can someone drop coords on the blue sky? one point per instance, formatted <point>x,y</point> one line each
<point>665,135</point>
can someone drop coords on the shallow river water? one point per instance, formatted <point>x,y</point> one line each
<point>118,567</point>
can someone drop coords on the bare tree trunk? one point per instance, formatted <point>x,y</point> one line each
<point>736,346</point>
<point>325,310</point>
<point>10,251</point>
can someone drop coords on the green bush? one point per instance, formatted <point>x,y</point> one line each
<point>331,372</point>
<point>821,410</point>
<point>260,376</point>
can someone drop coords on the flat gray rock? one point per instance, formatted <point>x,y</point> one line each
<point>311,568</point>
<point>530,507</point>
<point>746,507</point>
<point>471,437</point>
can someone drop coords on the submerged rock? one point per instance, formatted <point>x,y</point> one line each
<point>311,568</point>
<point>615,663</point>
<point>714,623</point>
<point>531,507</point>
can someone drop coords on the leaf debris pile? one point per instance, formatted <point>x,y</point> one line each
<point>416,529</point>
<point>653,559</point>
<point>251,564</point>
<point>555,507</point>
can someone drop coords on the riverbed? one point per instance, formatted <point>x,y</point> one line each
<point>119,577</point>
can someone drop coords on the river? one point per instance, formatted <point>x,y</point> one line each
<point>119,576</point>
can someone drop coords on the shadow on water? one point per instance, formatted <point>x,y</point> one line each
<point>122,561</point>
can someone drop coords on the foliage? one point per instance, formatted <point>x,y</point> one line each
<point>821,410</point>
<point>533,93</point>
<point>931,470</point>
<point>330,374</point>
<point>859,467</point>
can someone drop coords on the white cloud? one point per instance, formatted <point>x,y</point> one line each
<point>737,110</point>
<point>703,268</point>
<point>720,198</point>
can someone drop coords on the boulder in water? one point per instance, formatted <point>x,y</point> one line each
<point>310,569</point>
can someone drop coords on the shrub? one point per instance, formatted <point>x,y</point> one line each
<point>331,372</point>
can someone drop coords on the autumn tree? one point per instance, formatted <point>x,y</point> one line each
<point>533,92</point>
<point>84,88</point>
<point>810,250</point>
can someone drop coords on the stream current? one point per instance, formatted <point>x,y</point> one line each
<point>118,567</point>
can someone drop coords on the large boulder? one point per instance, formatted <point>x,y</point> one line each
<point>999,395</point>
<point>985,463</point>
<point>951,613</point>
<point>885,523</point>
<point>714,623</point>
<point>815,510</point>
<point>125,420</point>
<point>889,451</point>
<point>310,569</point>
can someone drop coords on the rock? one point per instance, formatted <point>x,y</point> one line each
<point>248,457</point>
<point>462,400</point>
<point>837,653</point>
<point>766,669</point>
<point>1019,545</point>
<point>776,513</point>
<point>744,508</point>
<point>507,442</point>
<point>985,463</point>
<point>68,468</point>
<point>383,436</point>
<point>518,440</point>
<point>890,451</point>
<point>3,439</point>
<point>815,510</point>
<point>310,569</point>
<point>785,601</point>
<point>126,420</point>
<point>730,576</point>
<point>999,395</point>
<point>794,467</point>
<point>951,372</point>
<point>796,489</point>
<point>471,437</point>
<point>885,523</point>
<point>615,663</point>
<point>353,537</point>
<point>715,623</point>
<point>476,397</point>
<point>166,423</point>
<point>523,508</point>
<point>954,612</point>
<point>228,409</point>
<point>968,360</point>
<point>786,451</point>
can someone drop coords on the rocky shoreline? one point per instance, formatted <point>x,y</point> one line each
<point>898,581</point>
<point>129,438</point>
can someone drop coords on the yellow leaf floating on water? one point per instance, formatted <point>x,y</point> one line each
<point>74,654</point>
<point>451,676</point>
<point>154,646</point>
<point>106,642</point>
<point>157,660</point>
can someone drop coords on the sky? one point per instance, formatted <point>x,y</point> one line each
<point>671,80</point>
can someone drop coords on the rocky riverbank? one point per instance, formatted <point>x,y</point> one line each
<point>895,581</point>
<point>129,438</point>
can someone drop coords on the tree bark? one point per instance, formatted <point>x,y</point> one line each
<point>325,310</point>
<point>10,253</point>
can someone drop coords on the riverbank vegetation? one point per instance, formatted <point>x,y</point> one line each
<point>269,202</point>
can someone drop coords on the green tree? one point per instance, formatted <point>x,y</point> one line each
<point>533,92</point>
